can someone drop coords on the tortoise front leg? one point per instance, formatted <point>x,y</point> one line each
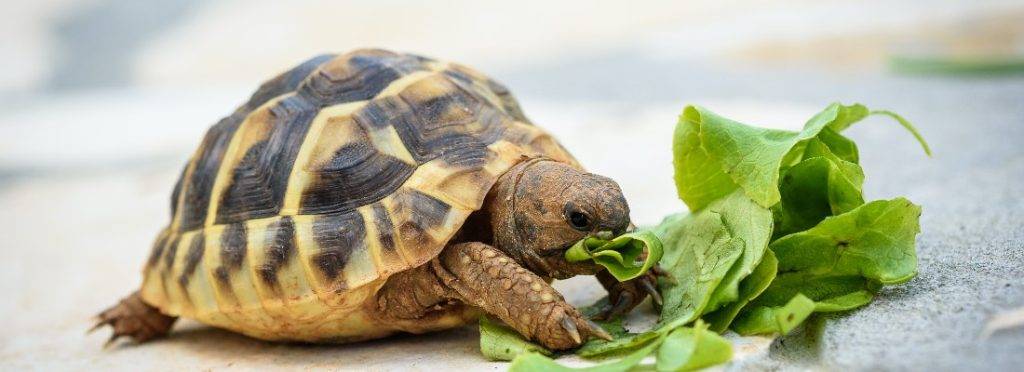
<point>487,278</point>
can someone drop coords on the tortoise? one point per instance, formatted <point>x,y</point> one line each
<point>371,193</point>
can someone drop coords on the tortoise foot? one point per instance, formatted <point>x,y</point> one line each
<point>134,318</point>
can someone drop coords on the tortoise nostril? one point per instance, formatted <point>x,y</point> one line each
<point>616,227</point>
<point>622,226</point>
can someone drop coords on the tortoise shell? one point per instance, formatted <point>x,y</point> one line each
<point>334,175</point>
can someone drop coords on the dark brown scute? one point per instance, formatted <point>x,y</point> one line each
<point>466,152</point>
<point>199,185</point>
<point>171,252</point>
<point>384,112</point>
<point>426,210</point>
<point>280,249</point>
<point>385,228</point>
<point>337,235</point>
<point>233,246</point>
<point>357,175</point>
<point>287,81</point>
<point>420,59</point>
<point>192,258</point>
<point>223,278</point>
<point>158,249</point>
<point>423,213</point>
<point>434,126</point>
<point>259,183</point>
<point>364,77</point>
<point>176,194</point>
<point>508,102</point>
<point>457,74</point>
<point>247,187</point>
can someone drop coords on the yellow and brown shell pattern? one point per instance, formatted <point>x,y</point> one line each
<point>335,175</point>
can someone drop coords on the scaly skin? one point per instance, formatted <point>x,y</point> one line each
<point>485,277</point>
<point>134,318</point>
<point>479,275</point>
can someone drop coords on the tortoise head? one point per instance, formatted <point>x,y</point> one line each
<point>541,207</point>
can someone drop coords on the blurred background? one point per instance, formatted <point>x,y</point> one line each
<point>101,102</point>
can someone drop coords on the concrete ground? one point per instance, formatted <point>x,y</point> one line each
<point>88,158</point>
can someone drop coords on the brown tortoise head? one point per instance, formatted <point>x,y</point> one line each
<point>541,207</point>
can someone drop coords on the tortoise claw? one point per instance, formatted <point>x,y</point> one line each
<point>111,340</point>
<point>596,330</point>
<point>570,327</point>
<point>621,306</point>
<point>649,288</point>
<point>662,273</point>
<point>99,323</point>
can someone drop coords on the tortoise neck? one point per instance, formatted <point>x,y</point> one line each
<point>508,217</point>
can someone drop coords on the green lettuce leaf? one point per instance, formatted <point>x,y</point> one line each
<point>875,241</point>
<point>821,185</point>
<point>751,287</point>
<point>499,342</point>
<point>819,287</point>
<point>845,302</point>
<point>714,156</point>
<point>719,244</point>
<point>622,342</point>
<point>752,224</point>
<point>675,349</point>
<point>703,252</point>
<point>621,255</point>
<point>838,264</point>
<point>536,362</point>
<point>688,349</point>
<point>760,319</point>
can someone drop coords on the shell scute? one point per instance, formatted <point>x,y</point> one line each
<point>350,170</point>
<point>336,235</point>
<point>357,76</point>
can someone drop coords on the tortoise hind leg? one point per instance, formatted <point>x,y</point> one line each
<point>136,319</point>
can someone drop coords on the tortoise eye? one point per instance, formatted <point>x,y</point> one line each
<point>579,220</point>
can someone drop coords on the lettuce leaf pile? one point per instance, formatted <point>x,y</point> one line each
<point>795,201</point>
<point>777,229</point>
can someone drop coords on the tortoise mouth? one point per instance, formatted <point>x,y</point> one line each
<point>553,252</point>
<point>560,250</point>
